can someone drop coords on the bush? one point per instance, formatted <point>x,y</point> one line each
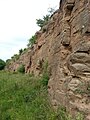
<point>21,69</point>
<point>2,64</point>
<point>45,79</point>
<point>45,19</point>
<point>32,41</point>
<point>45,75</point>
<point>42,22</point>
<point>20,51</point>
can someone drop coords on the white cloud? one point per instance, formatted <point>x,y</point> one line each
<point>18,23</point>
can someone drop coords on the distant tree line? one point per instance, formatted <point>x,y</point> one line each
<point>2,64</point>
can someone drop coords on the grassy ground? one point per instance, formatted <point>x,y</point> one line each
<point>24,97</point>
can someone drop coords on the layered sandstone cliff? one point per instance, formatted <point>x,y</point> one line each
<point>65,44</point>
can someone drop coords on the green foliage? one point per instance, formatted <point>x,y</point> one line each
<point>45,75</point>
<point>21,69</point>
<point>42,22</point>
<point>14,57</point>
<point>8,61</point>
<point>79,116</point>
<point>26,98</point>
<point>24,49</point>
<point>32,41</point>
<point>2,64</point>
<point>62,114</point>
<point>23,98</point>
<point>20,51</point>
<point>45,19</point>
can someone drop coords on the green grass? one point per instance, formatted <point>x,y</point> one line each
<point>25,97</point>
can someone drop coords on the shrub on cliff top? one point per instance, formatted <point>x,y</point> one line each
<point>32,40</point>
<point>42,22</point>
<point>45,19</point>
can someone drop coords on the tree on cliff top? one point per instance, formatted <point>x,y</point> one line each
<point>42,22</point>
<point>45,19</point>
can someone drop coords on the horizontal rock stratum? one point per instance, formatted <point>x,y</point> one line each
<point>65,44</point>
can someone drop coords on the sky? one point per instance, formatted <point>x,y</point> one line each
<point>18,23</point>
